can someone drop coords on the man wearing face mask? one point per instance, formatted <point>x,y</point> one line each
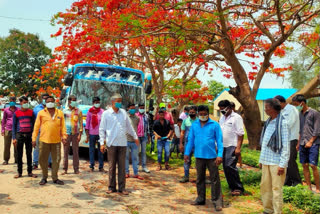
<point>92,131</point>
<point>309,139</point>
<point>185,128</point>
<point>36,110</point>
<point>132,146</point>
<point>167,115</point>
<point>114,126</point>
<point>184,115</point>
<point>50,123</point>
<point>23,122</point>
<point>74,125</point>
<point>232,128</point>
<point>205,137</point>
<point>143,132</point>
<point>6,130</point>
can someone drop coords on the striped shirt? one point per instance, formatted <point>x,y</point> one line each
<point>23,122</point>
<point>269,157</point>
<point>73,120</point>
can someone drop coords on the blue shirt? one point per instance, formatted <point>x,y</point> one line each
<point>37,109</point>
<point>205,140</point>
<point>269,157</point>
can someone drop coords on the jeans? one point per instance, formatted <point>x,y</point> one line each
<point>186,166</point>
<point>36,153</point>
<point>143,142</point>
<point>24,139</point>
<point>230,168</point>
<point>175,145</point>
<point>134,157</point>
<point>152,143</point>
<point>163,144</point>
<point>93,140</point>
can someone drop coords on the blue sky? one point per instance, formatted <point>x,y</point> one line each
<point>22,10</point>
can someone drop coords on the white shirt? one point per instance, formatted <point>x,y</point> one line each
<point>114,127</point>
<point>177,130</point>
<point>232,127</point>
<point>291,114</point>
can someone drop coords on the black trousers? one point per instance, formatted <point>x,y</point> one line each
<point>216,195</point>
<point>230,168</point>
<point>24,139</point>
<point>293,177</point>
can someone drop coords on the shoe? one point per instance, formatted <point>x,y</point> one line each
<point>167,166</point>
<point>77,172</point>
<point>35,166</point>
<point>197,203</point>
<point>18,176</point>
<point>5,163</point>
<point>139,177</point>
<point>60,182</point>
<point>218,208</point>
<point>184,179</point>
<point>124,192</point>
<point>236,193</point>
<point>91,169</point>
<point>127,176</point>
<point>109,191</point>
<point>64,173</point>
<point>43,181</point>
<point>32,175</point>
<point>146,170</point>
<point>101,170</point>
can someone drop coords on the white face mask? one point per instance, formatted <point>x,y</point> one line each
<point>50,105</point>
<point>204,118</point>
<point>97,105</point>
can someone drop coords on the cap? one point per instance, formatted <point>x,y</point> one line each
<point>162,105</point>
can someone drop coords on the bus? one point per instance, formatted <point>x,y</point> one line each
<point>87,80</point>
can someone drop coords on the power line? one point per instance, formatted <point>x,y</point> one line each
<point>25,19</point>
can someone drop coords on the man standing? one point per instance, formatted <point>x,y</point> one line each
<point>23,122</point>
<point>151,121</point>
<point>36,110</point>
<point>74,125</point>
<point>6,130</point>
<point>162,132</point>
<point>232,130</point>
<point>50,123</point>
<point>205,137</point>
<point>274,157</point>
<point>143,134</point>
<point>167,115</point>
<point>309,139</point>
<point>185,128</point>
<point>92,131</point>
<point>115,124</point>
<point>291,114</point>
<point>184,115</point>
<point>132,146</point>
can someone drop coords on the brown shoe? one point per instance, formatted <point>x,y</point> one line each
<point>43,181</point>
<point>18,176</point>
<point>32,175</point>
<point>60,182</point>
<point>124,192</point>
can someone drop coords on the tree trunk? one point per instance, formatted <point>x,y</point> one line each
<point>309,90</point>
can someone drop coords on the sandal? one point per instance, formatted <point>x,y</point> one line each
<point>60,182</point>
<point>64,173</point>
<point>18,176</point>
<point>109,191</point>
<point>127,176</point>
<point>32,175</point>
<point>236,193</point>
<point>159,168</point>
<point>138,177</point>
<point>43,181</point>
<point>167,167</point>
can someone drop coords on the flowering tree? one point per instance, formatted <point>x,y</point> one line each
<point>226,33</point>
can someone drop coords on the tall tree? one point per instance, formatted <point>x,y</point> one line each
<point>215,87</point>
<point>230,32</point>
<point>22,56</point>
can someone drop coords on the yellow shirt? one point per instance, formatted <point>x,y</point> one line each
<point>52,129</point>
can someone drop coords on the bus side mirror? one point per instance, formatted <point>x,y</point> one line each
<point>148,88</point>
<point>68,79</point>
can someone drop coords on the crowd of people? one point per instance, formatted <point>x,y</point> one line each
<point>122,132</point>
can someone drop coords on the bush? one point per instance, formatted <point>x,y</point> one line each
<point>250,177</point>
<point>302,198</point>
<point>250,157</point>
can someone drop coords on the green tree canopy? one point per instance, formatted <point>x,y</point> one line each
<point>21,54</point>
<point>215,87</point>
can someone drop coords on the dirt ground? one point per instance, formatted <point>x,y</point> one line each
<point>159,192</point>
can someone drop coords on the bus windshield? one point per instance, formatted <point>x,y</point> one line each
<point>85,90</point>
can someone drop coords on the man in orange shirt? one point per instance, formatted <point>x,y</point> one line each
<point>50,122</point>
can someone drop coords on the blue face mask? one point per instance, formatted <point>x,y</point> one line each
<point>132,111</point>
<point>299,108</point>
<point>73,103</point>
<point>163,108</point>
<point>44,102</point>
<point>11,104</point>
<point>141,110</point>
<point>187,114</point>
<point>118,105</point>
